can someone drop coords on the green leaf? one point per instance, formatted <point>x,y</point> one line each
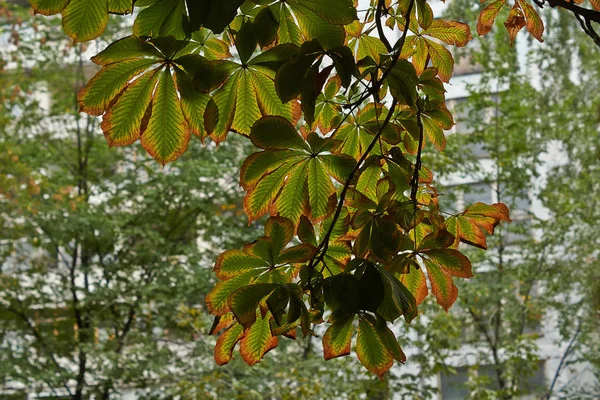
<point>129,47</point>
<point>398,300</point>
<point>216,300</point>
<point>123,123</point>
<point>313,26</point>
<point>85,20</point>
<point>337,338</point>
<point>95,98</point>
<point>163,18</point>
<point>275,132</point>
<point>320,188</point>
<point>452,261</point>
<point>235,262</point>
<point>245,41</point>
<point>257,340</point>
<point>213,14</point>
<point>389,341</point>
<point>167,134</point>
<point>338,12</point>
<point>244,301</point>
<point>265,27</point>
<point>48,7</point>
<point>289,80</point>
<point>121,7</point>
<point>403,83</point>
<point>416,283</point>
<point>280,232</point>
<point>370,350</point>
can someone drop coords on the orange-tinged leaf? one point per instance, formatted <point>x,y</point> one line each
<point>515,22</point>
<point>534,25</point>
<point>257,340</point>
<point>420,57</point>
<point>488,216</point>
<point>221,322</point>
<point>235,262</point>
<point>292,203</point>
<point>390,342</point>
<point>450,32</point>
<point>595,4</point>
<point>470,225</point>
<point>96,96</point>
<point>370,350</point>
<point>442,59</point>
<point>416,283</point>
<point>452,261</point>
<point>257,200</point>
<point>193,104</point>
<point>264,162</point>
<point>442,286</point>
<point>122,124</point>
<point>297,254</point>
<point>320,188</point>
<point>167,134</point>
<point>226,343</point>
<point>337,338</point>
<point>247,111</point>
<point>127,48</point>
<point>488,16</point>
<point>216,299</point>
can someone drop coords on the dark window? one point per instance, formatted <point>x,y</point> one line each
<point>454,385</point>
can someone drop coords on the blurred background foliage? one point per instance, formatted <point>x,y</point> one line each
<point>105,256</point>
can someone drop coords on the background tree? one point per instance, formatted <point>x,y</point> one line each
<point>538,275</point>
<point>355,221</point>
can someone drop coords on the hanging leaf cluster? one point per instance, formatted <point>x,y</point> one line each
<point>339,115</point>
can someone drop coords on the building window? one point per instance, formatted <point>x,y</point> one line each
<point>454,385</point>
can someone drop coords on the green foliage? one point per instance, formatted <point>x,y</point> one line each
<point>341,119</point>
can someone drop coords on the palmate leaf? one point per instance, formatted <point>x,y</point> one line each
<point>357,134</point>
<point>249,94</point>
<point>145,93</point>
<point>290,174</point>
<point>267,261</point>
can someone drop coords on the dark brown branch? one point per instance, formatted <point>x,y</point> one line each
<point>324,245</point>
<point>397,49</point>
<point>585,16</point>
<point>378,15</point>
